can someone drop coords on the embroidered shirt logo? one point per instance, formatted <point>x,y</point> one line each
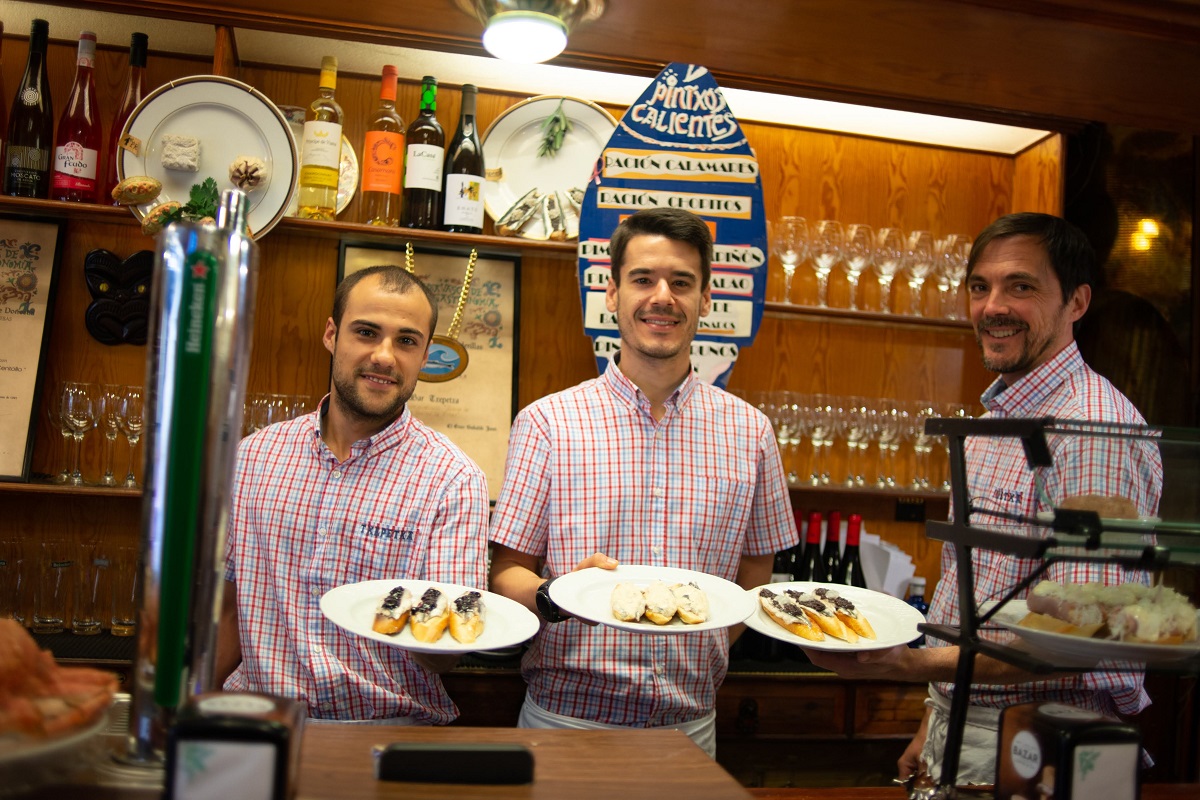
<point>385,533</point>
<point>1007,495</point>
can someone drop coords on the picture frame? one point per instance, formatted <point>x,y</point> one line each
<point>464,409</point>
<point>30,251</point>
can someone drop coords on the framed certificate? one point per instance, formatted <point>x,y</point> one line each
<point>474,410</point>
<point>30,248</point>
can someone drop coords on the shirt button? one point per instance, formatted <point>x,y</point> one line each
<point>656,551</point>
<point>316,591</point>
<point>337,474</point>
<point>658,669</point>
<point>657,491</point>
<point>326,706</point>
<point>322,531</point>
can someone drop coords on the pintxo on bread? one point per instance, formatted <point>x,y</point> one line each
<point>822,613</point>
<point>1127,612</point>
<point>659,603</point>
<point>432,615</point>
<point>850,615</point>
<point>784,611</point>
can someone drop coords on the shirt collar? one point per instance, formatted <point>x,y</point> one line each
<point>387,438</point>
<point>627,390</point>
<point>1029,392</point>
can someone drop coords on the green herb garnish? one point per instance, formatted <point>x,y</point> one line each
<point>554,128</point>
<point>202,200</point>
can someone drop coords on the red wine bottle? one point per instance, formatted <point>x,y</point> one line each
<point>463,180</point>
<point>135,89</point>
<point>423,163</point>
<point>831,558</point>
<point>78,143</point>
<point>851,572</point>
<point>31,124</point>
<point>808,568</point>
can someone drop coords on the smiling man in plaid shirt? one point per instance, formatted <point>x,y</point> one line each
<point>648,465</point>
<point>357,490</point>
<point>1028,279</point>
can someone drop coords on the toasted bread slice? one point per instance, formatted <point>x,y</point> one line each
<point>627,602</point>
<point>789,616</point>
<point>822,614</point>
<point>466,617</point>
<point>430,616</point>
<point>392,614</point>
<point>850,614</point>
<point>692,603</point>
<point>660,603</point>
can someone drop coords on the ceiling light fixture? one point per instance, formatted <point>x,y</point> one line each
<point>529,31</point>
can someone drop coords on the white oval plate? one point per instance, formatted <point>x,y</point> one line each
<point>23,752</point>
<point>510,154</point>
<point>352,608</point>
<point>230,118</point>
<point>1048,643</point>
<point>894,621</point>
<point>587,594</point>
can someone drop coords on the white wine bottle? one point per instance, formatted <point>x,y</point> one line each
<point>383,158</point>
<point>321,157</point>
<point>462,200</point>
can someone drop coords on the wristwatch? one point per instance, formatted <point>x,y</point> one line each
<point>547,607</point>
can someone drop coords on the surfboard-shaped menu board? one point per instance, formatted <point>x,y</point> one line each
<point>679,145</point>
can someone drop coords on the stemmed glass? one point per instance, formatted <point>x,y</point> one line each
<point>789,240</point>
<point>54,412</point>
<point>826,246</point>
<point>108,413</point>
<point>920,262</point>
<point>952,269</point>
<point>922,443</point>
<point>131,423</point>
<point>856,427</point>
<point>859,254</point>
<point>821,423</point>
<point>889,429</point>
<point>889,257</point>
<point>954,411</point>
<point>78,413</point>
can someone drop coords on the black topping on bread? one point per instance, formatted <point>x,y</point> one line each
<point>468,603</point>
<point>428,601</point>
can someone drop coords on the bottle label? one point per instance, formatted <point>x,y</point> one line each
<point>423,167</point>
<point>28,158</point>
<point>464,201</point>
<point>383,155</point>
<point>74,167</point>
<point>322,147</point>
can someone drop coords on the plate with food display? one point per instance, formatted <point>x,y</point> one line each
<point>539,156</point>
<point>450,621</point>
<point>828,616</point>
<point>207,126</point>
<point>649,599</point>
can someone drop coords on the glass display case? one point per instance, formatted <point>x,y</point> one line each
<point>1030,494</point>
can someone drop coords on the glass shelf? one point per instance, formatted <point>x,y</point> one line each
<point>877,318</point>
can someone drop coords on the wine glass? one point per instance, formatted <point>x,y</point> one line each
<point>889,257</point>
<point>952,268</point>
<point>826,246</point>
<point>889,431</point>
<point>856,427</point>
<point>922,442</point>
<point>821,423</point>
<point>131,422</point>
<point>789,240</point>
<point>79,414</point>
<point>859,254</point>
<point>108,412</point>
<point>954,411</point>
<point>54,412</point>
<point>920,262</point>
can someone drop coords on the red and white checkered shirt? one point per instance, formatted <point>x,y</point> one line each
<point>406,504</point>
<point>590,470</point>
<point>999,479</point>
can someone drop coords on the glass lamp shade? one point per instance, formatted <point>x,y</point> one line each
<point>526,37</point>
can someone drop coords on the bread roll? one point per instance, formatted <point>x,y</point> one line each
<point>466,617</point>
<point>430,616</point>
<point>660,603</point>
<point>628,603</point>
<point>393,611</point>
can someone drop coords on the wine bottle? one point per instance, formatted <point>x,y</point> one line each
<point>423,163</point>
<point>808,568</point>
<point>31,124</point>
<point>831,558</point>
<point>321,156</point>
<point>916,599</point>
<point>383,158</point>
<point>784,566</point>
<point>135,89</point>
<point>78,142</point>
<point>851,571</point>
<point>463,195</point>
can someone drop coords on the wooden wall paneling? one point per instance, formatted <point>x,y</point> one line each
<point>1037,182</point>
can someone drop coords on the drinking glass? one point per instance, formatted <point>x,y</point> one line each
<point>856,428</point>
<point>889,432</point>
<point>956,411</point>
<point>919,263</point>
<point>826,246</point>
<point>778,408</point>
<point>108,412</point>
<point>12,579</point>
<point>52,587</point>
<point>821,424</point>
<point>131,423</point>
<point>789,240</point>
<point>125,578</point>
<point>54,412</point>
<point>889,257</point>
<point>922,443</point>
<point>859,254</point>
<point>79,413</point>
<point>91,570</point>
<point>952,268</point>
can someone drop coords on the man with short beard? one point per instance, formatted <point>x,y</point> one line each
<point>1029,282</point>
<point>357,490</point>
<point>649,465</point>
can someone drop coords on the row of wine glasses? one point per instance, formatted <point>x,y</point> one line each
<point>808,428</point>
<point>887,251</point>
<point>263,409</point>
<point>77,408</point>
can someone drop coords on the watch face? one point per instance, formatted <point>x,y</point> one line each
<point>545,605</point>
